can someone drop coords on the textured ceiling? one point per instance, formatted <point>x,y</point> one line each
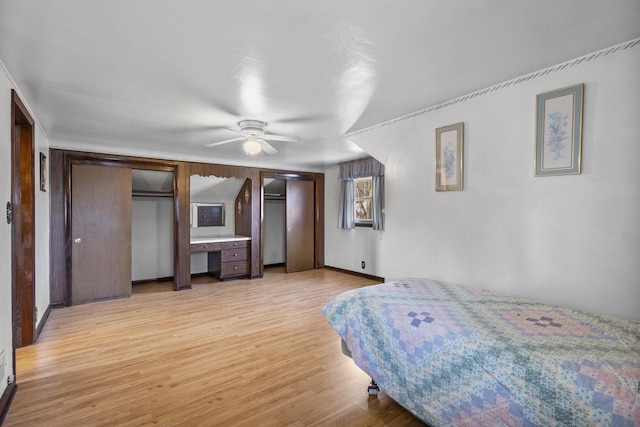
<point>169,77</point>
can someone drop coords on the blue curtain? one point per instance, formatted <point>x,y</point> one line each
<point>378,202</point>
<point>346,216</point>
<point>359,169</point>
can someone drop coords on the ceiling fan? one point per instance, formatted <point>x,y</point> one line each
<point>255,140</point>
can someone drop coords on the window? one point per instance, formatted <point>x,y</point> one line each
<point>361,194</point>
<point>363,201</point>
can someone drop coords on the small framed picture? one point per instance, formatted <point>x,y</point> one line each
<point>449,157</point>
<point>559,131</point>
<point>43,172</point>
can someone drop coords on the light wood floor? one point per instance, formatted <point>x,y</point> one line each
<point>246,352</point>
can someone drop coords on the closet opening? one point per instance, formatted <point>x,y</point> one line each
<point>274,222</point>
<point>152,223</point>
<point>292,222</point>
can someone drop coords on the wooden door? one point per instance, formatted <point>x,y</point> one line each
<point>300,223</point>
<point>100,233</point>
<point>23,228</point>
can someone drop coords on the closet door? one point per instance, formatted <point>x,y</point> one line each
<point>100,233</point>
<point>300,209</point>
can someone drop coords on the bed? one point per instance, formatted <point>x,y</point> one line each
<point>458,356</point>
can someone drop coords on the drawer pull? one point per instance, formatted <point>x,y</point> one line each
<point>235,268</point>
<point>236,254</point>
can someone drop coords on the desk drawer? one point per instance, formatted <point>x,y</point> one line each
<point>234,244</point>
<point>238,268</point>
<point>231,255</point>
<point>205,247</point>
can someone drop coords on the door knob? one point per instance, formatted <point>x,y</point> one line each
<point>77,240</point>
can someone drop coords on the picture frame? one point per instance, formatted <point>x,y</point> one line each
<point>450,157</point>
<point>43,172</point>
<point>558,149</point>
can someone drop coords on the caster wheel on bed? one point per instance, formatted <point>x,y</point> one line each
<point>373,388</point>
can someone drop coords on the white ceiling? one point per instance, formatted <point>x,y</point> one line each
<point>168,77</point>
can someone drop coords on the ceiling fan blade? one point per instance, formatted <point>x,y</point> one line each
<point>226,141</point>
<point>303,119</point>
<point>266,147</point>
<point>282,138</point>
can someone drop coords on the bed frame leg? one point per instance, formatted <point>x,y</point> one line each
<point>373,388</point>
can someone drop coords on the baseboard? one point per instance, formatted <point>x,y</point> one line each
<point>6,399</point>
<point>159,279</point>
<point>279,264</point>
<point>355,273</point>
<point>43,320</point>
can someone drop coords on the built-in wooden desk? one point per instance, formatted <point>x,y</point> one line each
<point>228,256</point>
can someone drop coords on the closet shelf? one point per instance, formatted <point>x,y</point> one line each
<point>274,196</point>
<point>152,193</point>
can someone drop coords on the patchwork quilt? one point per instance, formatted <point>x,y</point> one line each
<point>457,356</point>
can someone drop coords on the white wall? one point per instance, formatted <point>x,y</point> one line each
<point>567,240</point>
<point>274,236</point>
<point>151,238</point>
<point>347,249</point>
<point>41,226</point>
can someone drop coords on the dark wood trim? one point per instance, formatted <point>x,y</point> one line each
<point>181,228</point>
<point>43,321</point>
<point>6,399</point>
<point>242,209</point>
<point>20,113</point>
<point>57,221</point>
<point>23,225</point>
<point>319,221</point>
<point>355,273</point>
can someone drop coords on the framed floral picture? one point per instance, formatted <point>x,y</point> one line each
<point>449,157</point>
<point>559,131</point>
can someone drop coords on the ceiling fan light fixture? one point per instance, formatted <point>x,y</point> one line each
<point>252,146</point>
<point>252,128</point>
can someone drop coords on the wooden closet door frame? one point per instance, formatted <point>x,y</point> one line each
<point>23,274</point>
<point>81,158</point>
<point>299,224</point>
<point>101,252</point>
<point>318,180</point>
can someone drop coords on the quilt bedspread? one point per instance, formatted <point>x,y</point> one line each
<point>457,356</point>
